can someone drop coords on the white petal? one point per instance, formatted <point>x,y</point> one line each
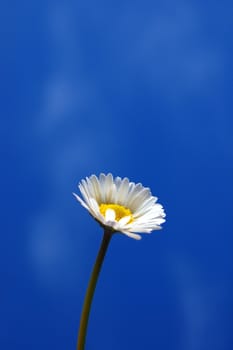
<point>143,228</point>
<point>94,205</point>
<point>131,235</point>
<point>109,188</point>
<point>85,187</point>
<point>110,215</point>
<point>146,205</point>
<point>80,200</point>
<point>122,192</point>
<point>86,194</point>
<point>133,192</point>
<point>149,215</point>
<point>96,188</point>
<point>94,210</point>
<point>117,181</point>
<point>123,221</point>
<point>140,198</point>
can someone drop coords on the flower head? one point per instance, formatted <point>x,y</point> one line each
<point>120,205</point>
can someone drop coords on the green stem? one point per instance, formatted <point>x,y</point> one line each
<point>90,290</point>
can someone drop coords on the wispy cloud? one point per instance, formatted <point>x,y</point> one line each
<point>200,303</point>
<point>172,52</point>
<point>73,141</point>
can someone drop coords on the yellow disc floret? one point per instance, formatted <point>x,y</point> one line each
<point>120,210</point>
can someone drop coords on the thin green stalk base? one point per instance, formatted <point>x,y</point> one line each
<point>91,289</point>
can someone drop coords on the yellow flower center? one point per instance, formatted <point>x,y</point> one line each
<point>120,210</point>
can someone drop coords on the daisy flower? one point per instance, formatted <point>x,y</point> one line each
<point>120,205</point>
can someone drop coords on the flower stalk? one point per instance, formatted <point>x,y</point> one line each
<point>91,289</point>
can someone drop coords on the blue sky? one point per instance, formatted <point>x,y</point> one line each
<point>139,89</point>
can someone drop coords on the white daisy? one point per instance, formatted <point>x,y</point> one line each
<point>120,205</point>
